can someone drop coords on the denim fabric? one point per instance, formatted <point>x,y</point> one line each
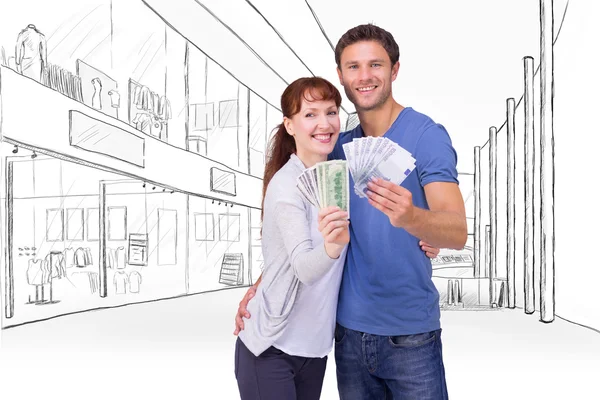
<point>377,367</point>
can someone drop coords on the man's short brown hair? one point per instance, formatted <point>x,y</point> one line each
<point>368,32</point>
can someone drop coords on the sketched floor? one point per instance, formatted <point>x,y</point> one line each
<point>183,348</point>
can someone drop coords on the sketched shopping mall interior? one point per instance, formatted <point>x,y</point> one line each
<point>133,149</point>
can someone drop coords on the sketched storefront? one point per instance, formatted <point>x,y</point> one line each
<point>123,185</point>
<point>81,234</point>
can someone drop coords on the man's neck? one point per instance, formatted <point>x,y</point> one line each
<point>377,122</point>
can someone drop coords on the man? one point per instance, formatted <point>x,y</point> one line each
<point>388,334</point>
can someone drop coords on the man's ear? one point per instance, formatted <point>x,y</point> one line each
<point>339,72</point>
<point>395,69</point>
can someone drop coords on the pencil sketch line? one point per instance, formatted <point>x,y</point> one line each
<point>186,92</point>
<point>578,324</point>
<point>143,56</point>
<point>537,69</point>
<point>160,46</point>
<point>314,14</point>
<point>102,138</point>
<point>88,133</point>
<point>561,23</point>
<point>477,217</point>
<point>529,234</point>
<point>547,162</point>
<point>241,40</point>
<point>9,302</point>
<point>144,45</point>
<point>95,47</point>
<point>187,243</point>
<point>493,132</point>
<point>118,306</point>
<point>237,123</point>
<point>280,37</point>
<point>112,34</point>
<point>80,161</point>
<point>72,29</point>
<point>84,38</point>
<point>209,58</point>
<point>287,44</point>
<point>510,202</point>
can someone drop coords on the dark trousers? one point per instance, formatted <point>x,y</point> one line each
<point>372,367</point>
<point>275,375</point>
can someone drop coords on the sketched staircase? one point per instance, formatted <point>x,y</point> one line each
<point>232,269</point>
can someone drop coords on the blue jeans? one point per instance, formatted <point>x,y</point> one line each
<point>389,367</point>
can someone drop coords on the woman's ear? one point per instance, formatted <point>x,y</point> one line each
<point>289,126</point>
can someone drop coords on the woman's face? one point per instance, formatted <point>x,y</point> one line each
<point>315,129</point>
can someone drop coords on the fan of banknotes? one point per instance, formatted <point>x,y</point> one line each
<point>377,157</point>
<point>327,183</point>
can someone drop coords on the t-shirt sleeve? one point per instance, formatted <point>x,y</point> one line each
<point>436,157</point>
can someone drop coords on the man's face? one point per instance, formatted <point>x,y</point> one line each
<point>367,73</point>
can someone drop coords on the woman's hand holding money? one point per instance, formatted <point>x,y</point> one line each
<point>333,225</point>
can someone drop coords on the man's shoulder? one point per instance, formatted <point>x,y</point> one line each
<point>348,135</point>
<point>418,119</point>
<point>343,138</point>
<point>423,126</point>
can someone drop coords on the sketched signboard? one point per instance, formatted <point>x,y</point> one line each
<point>222,181</point>
<point>93,135</point>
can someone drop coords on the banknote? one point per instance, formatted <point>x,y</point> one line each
<point>335,184</point>
<point>377,157</point>
<point>326,184</point>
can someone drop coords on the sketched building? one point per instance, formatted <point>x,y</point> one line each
<point>131,170</point>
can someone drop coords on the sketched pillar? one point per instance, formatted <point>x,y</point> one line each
<point>529,258</point>
<point>102,240</point>
<point>547,160</point>
<point>9,280</point>
<point>493,199</point>
<point>477,219</point>
<point>510,201</point>
<point>186,84</point>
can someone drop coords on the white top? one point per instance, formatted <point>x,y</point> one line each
<point>295,305</point>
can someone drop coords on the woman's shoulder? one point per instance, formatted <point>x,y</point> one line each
<point>283,184</point>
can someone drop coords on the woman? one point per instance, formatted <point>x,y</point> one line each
<point>281,353</point>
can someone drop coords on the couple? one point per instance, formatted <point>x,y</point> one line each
<point>364,287</point>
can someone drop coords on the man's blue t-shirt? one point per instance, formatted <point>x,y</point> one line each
<point>386,286</point>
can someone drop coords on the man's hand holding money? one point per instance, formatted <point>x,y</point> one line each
<point>393,200</point>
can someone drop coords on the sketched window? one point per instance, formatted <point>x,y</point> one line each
<point>197,144</point>
<point>117,223</point>
<point>228,114</point>
<point>167,234</point>
<point>54,225</point>
<point>229,227</point>
<point>205,227</point>
<point>93,224</point>
<point>75,224</point>
<point>202,116</point>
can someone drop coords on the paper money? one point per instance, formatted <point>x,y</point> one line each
<point>326,184</point>
<point>336,184</point>
<point>378,157</point>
